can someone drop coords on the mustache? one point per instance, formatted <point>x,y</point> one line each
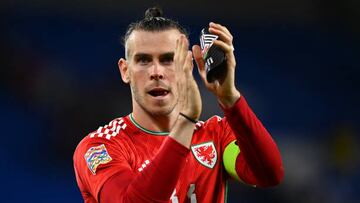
<point>158,84</point>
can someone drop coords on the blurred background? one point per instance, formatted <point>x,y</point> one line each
<point>298,66</point>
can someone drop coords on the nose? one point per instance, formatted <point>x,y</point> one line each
<point>157,72</point>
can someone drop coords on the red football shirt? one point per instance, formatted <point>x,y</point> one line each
<point>123,148</point>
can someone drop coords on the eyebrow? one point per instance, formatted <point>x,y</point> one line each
<point>142,55</point>
<point>162,56</point>
<point>167,55</point>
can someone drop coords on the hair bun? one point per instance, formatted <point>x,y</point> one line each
<point>153,12</point>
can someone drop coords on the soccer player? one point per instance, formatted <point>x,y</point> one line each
<point>161,152</point>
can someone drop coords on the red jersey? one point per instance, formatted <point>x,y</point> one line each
<point>124,149</point>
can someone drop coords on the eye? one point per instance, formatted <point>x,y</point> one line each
<point>143,60</point>
<point>168,60</point>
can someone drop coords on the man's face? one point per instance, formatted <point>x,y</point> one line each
<point>151,70</point>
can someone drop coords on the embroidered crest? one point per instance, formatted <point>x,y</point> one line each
<point>96,156</point>
<point>205,153</point>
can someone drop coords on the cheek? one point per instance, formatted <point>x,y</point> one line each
<point>134,78</point>
<point>138,76</point>
<point>170,76</point>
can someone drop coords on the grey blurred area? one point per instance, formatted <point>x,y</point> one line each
<point>298,65</point>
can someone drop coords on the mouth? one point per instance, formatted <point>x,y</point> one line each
<point>158,92</point>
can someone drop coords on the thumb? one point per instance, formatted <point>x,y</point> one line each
<point>200,63</point>
<point>198,57</point>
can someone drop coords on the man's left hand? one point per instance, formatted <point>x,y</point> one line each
<point>223,88</point>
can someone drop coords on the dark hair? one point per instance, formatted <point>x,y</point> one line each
<point>154,21</point>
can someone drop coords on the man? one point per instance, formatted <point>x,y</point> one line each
<point>159,152</point>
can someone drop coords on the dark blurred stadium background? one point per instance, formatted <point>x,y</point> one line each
<point>298,66</point>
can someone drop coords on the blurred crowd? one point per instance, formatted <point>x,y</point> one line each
<point>59,81</point>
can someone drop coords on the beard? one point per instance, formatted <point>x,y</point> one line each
<point>164,108</point>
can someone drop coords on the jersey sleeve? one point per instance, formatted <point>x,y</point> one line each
<point>257,160</point>
<point>221,126</point>
<point>95,161</point>
<point>103,170</point>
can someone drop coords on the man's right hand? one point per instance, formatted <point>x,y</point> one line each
<point>189,96</point>
<point>189,100</point>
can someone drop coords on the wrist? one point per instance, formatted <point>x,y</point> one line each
<point>182,131</point>
<point>229,100</point>
<point>188,118</point>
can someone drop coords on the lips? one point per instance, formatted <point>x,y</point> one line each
<point>158,92</point>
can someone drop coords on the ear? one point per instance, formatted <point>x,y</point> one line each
<point>124,70</point>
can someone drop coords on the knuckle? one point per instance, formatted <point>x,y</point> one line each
<point>231,38</point>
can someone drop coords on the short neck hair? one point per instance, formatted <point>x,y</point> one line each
<point>153,22</point>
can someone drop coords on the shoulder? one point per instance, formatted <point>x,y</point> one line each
<point>100,154</point>
<point>106,136</point>
<point>110,130</point>
<point>214,121</point>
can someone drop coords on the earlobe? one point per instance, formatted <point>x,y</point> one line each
<point>123,68</point>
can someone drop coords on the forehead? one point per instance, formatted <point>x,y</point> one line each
<point>153,43</point>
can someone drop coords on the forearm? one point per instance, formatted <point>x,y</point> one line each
<point>259,162</point>
<point>163,172</point>
<point>228,100</point>
<point>157,180</point>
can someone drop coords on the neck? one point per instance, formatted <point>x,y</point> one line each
<point>153,122</point>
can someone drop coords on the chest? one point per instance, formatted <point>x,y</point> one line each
<point>202,173</point>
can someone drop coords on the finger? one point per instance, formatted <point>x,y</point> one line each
<point>180,50</point>
<point>176,55</point>
<point>186,42</point>
<point>188,63</point>
<point>219,26</point>
<point>183,50</point>
<point>222,35</point>
<point>216,84</point>
<point>200,63</point>
<point>224,46</point>
<point>198,57</point>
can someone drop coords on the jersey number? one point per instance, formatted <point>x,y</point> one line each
<point>190,194</point>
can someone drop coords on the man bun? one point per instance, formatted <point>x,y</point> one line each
<point>153,21</point>
<point>153,13</point>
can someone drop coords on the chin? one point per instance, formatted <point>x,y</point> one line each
<point>156,107</point>
<point>161,110</point>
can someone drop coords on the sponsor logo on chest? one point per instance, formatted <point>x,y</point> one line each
<point>205,153</point>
